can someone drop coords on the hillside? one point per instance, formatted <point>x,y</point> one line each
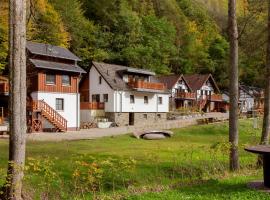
<point>167,36</point>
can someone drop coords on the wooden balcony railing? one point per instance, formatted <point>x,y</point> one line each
<point>215,97</point>
<point>4,88</point>
<point>146,85</point>
<point>92,105</point>
<point>185,95</point>
<point>50,114</point>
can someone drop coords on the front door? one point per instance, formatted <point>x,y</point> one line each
<point>131,119</point>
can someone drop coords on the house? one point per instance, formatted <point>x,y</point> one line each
<point>250,98</point>
<point>181,94</point>
<point>124,95</point>
<point>207,93</point>
<point>53,97</point>
<point>4,96</point>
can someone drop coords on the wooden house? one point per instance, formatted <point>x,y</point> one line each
<point>53,97</point>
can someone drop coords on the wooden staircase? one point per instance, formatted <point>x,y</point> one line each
<point>202,103</point>
<point>37,106</point>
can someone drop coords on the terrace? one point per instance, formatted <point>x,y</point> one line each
<point>185,95</point>
<point>215,97</point>
<point>92,105</point>
<point>139,84</point>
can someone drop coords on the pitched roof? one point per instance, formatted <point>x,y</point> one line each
<point>171,80</point>
<point>252,91</point>
<point>56,66</point>
<point>50,50</point>
<point>112,75</point>
<point>196,81</point>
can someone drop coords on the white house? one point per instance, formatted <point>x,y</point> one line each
<point>125,95</point>
<point>250,98</point>
<point>53,88</point>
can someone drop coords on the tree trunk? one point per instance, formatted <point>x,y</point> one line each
<point>233,118</point>
<point>266,117</point>
<point>17,101</point>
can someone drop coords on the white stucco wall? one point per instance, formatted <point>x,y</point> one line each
<point>70,112</point>
<point>119,101</point>
<point>103,88</point>
<point>124,105</point>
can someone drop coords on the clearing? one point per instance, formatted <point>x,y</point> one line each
<point>193,164</point>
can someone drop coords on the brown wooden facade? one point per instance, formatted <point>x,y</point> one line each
<point>58,86</point>
<point>84,89</point>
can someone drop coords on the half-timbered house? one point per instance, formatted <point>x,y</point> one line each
<point>181,94</point>
<point>250,99</point>
<point>208,95</point>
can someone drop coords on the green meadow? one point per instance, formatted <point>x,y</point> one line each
<point>193,164</point>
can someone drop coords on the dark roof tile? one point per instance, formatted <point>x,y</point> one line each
<point>112,75</point>
<point>56,66</point>
<point>50,50</point>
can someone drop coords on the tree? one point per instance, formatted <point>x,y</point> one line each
<point>233,77</point>
<point>266,117</point>
<point>17,103</point>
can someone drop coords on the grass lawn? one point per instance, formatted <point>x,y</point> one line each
<point>193,164</point>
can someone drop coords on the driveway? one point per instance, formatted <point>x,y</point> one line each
<point>86,134</point>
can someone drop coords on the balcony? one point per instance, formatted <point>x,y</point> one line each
<point>185,95</point>
<point>4,88</point>
<point>215,97</point>
<point>92,106</point>
<point>146,85</point>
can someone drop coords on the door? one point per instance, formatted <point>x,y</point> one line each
<point>131,119</point>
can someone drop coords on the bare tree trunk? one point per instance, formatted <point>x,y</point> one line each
<point>233,118</point>
<point>17,102</point>
<point>266,117</point>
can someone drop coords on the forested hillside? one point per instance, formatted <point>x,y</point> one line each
<point>167,36</point>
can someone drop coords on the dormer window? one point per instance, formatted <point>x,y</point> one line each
<point>50,79</point>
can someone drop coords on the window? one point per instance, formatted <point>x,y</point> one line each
<point>132,99</point>
<point>201,92</point>
<point>96,98</point>
<point>105,97</point>
<point>100,80</point>
<point>66,80</point>
<point>59,104</point>
<point>158,116</point>
<point>159,100</point>
<point>145,99</point>
<point>50,79</point>
<point>145,116</point>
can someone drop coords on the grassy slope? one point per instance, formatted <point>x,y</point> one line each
<point>173,162</point>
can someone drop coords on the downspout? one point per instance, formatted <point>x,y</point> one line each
<point>77,102</point>
<point>157,108</point>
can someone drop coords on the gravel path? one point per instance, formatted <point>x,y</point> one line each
<point>86,134</point>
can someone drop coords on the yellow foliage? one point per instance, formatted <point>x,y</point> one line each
<point>192,27</point>
<point>46,25</point>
